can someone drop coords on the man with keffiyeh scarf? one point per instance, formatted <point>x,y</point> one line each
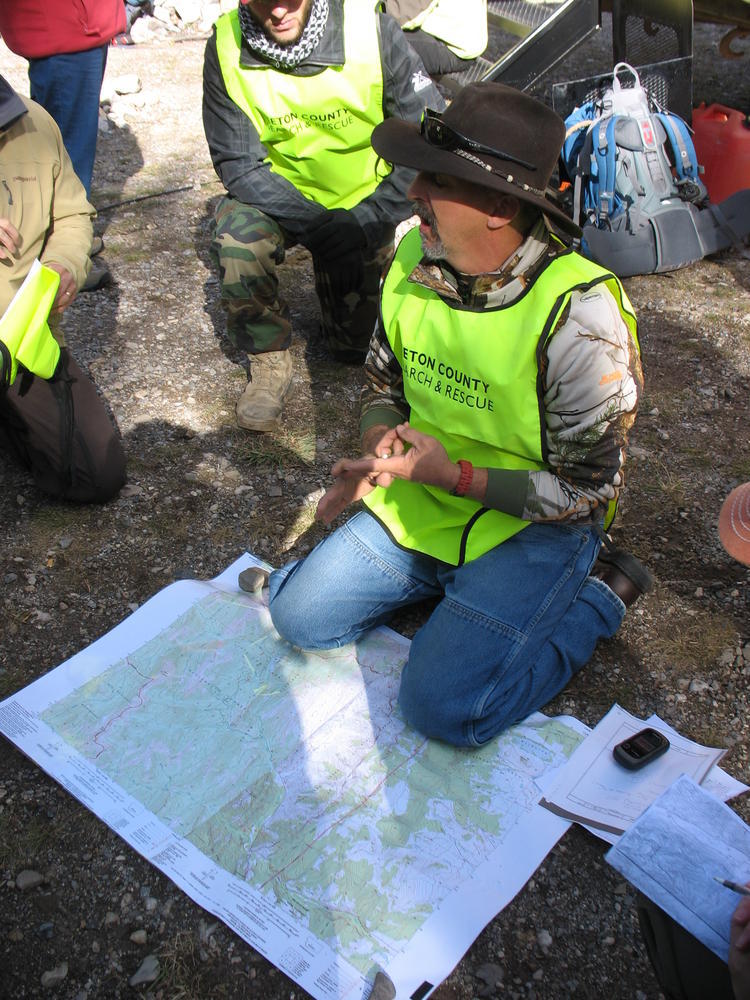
<point>292,91</point>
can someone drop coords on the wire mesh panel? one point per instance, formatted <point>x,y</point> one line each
<point>652,32</point>
<point>655,32</point>
<point>660,80</point>
<point>526,38</point>
<point>517,15</point>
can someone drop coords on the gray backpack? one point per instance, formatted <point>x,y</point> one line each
<point>637,192</point>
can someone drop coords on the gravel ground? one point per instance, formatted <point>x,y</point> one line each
<point>200,492</point>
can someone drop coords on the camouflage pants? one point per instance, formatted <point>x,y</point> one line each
<point>247,246</point>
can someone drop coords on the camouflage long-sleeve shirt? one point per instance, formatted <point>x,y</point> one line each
<point>591,377</point>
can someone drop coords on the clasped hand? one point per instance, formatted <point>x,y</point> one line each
<point>401,453</point>
<point>10,239</point>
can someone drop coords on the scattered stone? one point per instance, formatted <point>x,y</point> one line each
<point>148,971</point>
<point>491,974</point>
<point>53,977</point>
<point>382,987</point>
<point>28,879</point>
<point>253,579</point>
<point>206,930</point>
<point>139,936</point>
<point>131,490</point>
<point>544,939</point>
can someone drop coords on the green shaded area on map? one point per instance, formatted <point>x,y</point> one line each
<point>295,771</point>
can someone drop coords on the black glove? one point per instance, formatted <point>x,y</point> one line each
<point>336,244</point>
<point>344,274</point>
<point>338,235</point>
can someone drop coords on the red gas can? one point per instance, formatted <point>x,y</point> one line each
<point>722,143</point>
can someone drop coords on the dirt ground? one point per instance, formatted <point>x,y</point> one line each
<point>201,492</point>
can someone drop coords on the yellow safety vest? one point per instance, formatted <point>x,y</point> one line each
<point>472,380</point>
<point>25,337</point>
<point>316,129</point>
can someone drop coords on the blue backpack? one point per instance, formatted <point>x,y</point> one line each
<point>637,191</point>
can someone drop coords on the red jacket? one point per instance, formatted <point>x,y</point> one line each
<point>37,28</point>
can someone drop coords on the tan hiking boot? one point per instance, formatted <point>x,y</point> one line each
<point>259,407</point>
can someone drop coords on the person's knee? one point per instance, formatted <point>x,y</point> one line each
<point>246,242</point>
<point>436,720</point>
<point>431,711</point>
<point>112,474</point>
<point>297,629</point>
<point>293,619</point>
<point>449,712</point>
<point>446,721</point>
<point>104,481</point>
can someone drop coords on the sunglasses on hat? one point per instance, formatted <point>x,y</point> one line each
<point>443,136</point>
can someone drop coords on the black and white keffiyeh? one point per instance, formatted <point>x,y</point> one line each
<point>284,56</point>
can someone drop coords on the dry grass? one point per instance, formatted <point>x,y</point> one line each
<point>690,642</point>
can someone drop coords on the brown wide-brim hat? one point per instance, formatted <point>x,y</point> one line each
<point>497,116</point>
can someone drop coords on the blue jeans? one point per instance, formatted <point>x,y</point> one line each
<point>68,86</point>
<point>510,631</point>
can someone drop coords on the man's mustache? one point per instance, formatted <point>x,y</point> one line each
<point>424,213</point>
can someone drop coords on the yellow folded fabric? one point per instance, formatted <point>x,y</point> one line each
<point>23,326</point>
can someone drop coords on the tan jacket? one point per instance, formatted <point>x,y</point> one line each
<point>43,198</point>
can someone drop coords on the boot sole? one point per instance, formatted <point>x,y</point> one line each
<point>629,566</point>
<point>259,425</point>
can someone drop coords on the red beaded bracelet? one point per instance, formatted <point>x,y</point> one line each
<point>464,480</point>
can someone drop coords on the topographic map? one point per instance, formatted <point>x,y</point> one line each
<point>284,792</point>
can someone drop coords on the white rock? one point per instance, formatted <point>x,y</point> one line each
<point>188,11</point>
<point>148,970</point>
<point>544,938</point>
<point>53,977</point>
<point>28,879</point>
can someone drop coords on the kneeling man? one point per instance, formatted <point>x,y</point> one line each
<point>503,378</point>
